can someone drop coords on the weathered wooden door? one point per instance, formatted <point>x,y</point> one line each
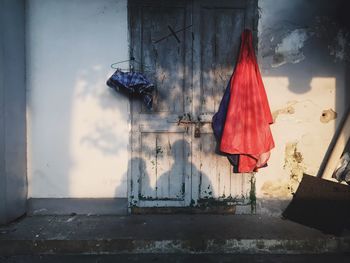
<point>217,32</point>
<point>188,49</point>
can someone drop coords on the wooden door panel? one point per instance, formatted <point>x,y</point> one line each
<point>190,70</point>
<point>217,179</point>
<point>165,60</point>
<point>220,39</point>
<point>217,37</point>
<point>160,173</point>
<point>163,175</point>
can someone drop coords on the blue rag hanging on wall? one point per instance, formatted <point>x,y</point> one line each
<point>132,83</point>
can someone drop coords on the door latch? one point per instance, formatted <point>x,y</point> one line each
<point>187,120</point>
<point>197,130</point>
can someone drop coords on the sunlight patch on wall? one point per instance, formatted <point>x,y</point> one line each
<point>77,127</point>
<point>297,120</point>
<point>99,138</point>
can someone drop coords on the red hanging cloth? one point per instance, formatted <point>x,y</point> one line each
<point>247,126</point>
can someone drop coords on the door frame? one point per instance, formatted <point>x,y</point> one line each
<point>251,22</point>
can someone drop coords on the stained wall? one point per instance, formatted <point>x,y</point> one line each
<point>303,51</point>
<point>78,129</point>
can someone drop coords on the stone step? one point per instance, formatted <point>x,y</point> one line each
<point>190,234</point>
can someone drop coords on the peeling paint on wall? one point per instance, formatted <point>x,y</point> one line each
<point>339,47</point>
<point>289,50</point>
<point>293,163</point>
<point>284,43</point>
<point>276,189</point>
<point>314,38</point>
<point>336,36</point>
<point>289,109</point>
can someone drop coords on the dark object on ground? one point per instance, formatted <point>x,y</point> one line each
<point>322,204</point>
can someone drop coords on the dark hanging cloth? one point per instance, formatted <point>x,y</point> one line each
<point>248,117</point>
<point>218,123</point>
<point>133,83</point>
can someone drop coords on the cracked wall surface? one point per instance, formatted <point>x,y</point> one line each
<point>303,52</point>
<point>303,49</point>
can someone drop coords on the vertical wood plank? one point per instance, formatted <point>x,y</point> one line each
<point>230,24</point>
<point>196,74</point>
<point>209,176</point>
<point>208,59</point>
<point>164,61</point>
<point>236,185</point>
<point>246,187</point>
<point>223,169</point>
<point>170,165</point>
<point>148,166</point>
<point>177,175</point>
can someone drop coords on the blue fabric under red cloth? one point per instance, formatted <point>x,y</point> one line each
<point>218,123</point>
<point>242,123</point>
<point>133,83</point>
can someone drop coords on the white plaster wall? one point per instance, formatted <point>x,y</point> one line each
<point>302,78</point>
<point>77,127</point>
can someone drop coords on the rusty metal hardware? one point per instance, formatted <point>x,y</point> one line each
<point>187,120</point>
<point>197,131</point>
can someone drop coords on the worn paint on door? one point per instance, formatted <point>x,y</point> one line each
<point>188,49</point>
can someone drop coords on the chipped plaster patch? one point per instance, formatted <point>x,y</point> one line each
<point>289,50</point>
<point>328,115</point>
<point>334,34</point>
<point>289,109</point>
<point>294,164</point>
<point>276,189</point>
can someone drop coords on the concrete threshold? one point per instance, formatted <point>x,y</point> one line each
<point>190,234</point>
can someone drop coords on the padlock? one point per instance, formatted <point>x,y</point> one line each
<point>197,131</point>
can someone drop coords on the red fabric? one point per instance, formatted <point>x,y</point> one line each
<point>247,126</point>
